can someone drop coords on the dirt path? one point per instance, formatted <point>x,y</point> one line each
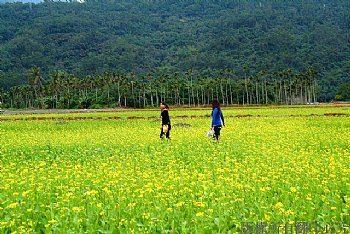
<point>56,111</point>
<point>59,111</point>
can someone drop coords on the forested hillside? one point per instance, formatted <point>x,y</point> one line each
<point>166,36</point>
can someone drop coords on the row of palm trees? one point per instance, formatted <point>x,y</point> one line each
<point>191,88</point>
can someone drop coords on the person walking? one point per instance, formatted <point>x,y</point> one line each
<point>217,117</point>
<point>166,126</point>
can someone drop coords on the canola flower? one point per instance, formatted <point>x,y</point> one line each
<point>117,176</point>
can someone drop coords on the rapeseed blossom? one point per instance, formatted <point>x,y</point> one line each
<point>110,175</point>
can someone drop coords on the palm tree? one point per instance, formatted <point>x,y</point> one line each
<point>189,77</point>
<point>201,85</point>
<point>245,70</point>
<point>35,80</point>
<point>221,80</point>
<point>119,80</point>
<point>106,81</point>
<point>115,79</point>
<point>229,92</point>
<point>263,84</point>
<point>55,84</point>
<point>149,81</point>
<point>2,94</point>
<point>242,87</point>
<point>311,74</point>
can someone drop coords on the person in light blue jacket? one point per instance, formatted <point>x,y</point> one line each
<point>217,119</point>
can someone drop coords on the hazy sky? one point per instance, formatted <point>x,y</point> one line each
<point>35,1</point>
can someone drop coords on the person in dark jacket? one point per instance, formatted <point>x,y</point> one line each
<point>166,126</point>
<point>217,117</point>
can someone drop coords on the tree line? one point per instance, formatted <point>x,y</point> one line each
<point>190,88</point>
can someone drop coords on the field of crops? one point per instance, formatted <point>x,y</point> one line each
<point>108,172</point>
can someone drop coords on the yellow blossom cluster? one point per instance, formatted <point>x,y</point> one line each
<point>115,175</point>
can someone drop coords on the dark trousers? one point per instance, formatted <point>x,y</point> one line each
<point>217,130</point>
<point>167,135</point>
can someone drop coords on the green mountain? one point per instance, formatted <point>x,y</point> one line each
<point>153,36</point>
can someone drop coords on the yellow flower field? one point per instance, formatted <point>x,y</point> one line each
<point>117,176</point>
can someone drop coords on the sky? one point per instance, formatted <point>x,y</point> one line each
<point>26,1</point>
<point>34,1</point>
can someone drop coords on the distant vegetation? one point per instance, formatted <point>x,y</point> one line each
<point>190,88</point>
<point>138,39</point>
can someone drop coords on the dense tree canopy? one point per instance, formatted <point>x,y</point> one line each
<point>343,93</point>
<point>167,36</point>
